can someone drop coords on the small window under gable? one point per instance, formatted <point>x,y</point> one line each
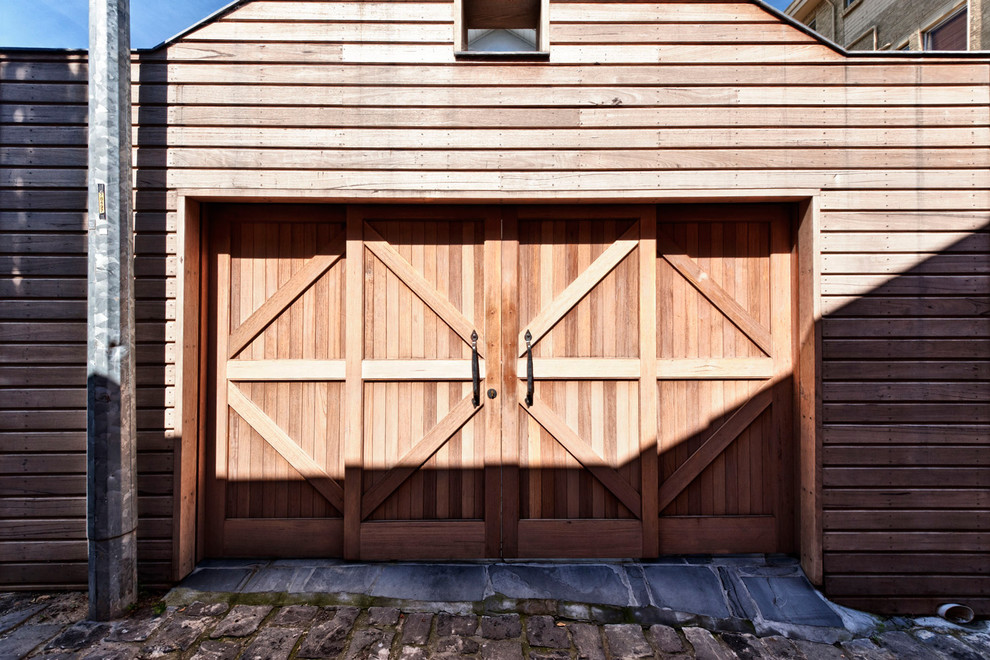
<point>502,27</point>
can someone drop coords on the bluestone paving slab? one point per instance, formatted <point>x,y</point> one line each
<point>217,579</point>
<point>10,618</point>
<point>585,583</point>
<point>790,599</point>
<point>279,579</point>
<point>354,579</point>
<point>21,641</point>
<point>685,588</point>
<point>431,582</point>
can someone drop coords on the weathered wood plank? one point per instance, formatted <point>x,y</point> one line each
<point>921,306</point>
<point>906,349</point>
<point>905,265</point>
<point>196,84</point>
<point>903,498</point>
<point>905,434</point>
<point>974,391</point>
<point>915,520</point>
<point>907,413</point>
<point>885,541</point>
<point>915,477</point>
<point>848,72</point>
<point>896,562</point>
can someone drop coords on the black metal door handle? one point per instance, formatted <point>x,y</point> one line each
<point>529,368</point>
<point>475,370</point>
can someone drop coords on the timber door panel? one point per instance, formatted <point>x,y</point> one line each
<point>724,360</point>
<point>429,487</point>
<point>278,369</point>
<point>577,443</point>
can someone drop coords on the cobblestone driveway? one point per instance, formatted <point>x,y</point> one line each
<point>52,626</point>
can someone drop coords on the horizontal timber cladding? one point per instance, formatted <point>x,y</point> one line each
<point>365,100</point>
<point>43,347</point>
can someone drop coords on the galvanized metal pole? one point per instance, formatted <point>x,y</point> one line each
<point>111,446</point>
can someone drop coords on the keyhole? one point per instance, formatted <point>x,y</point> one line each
<point>492,394</point>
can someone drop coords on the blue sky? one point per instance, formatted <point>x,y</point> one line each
<point>63,23</point>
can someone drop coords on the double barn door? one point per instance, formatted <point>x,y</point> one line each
<point>397,382</point>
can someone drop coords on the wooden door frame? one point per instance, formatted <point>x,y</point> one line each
<point>188,335</point>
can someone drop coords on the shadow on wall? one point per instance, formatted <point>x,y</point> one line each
<point>906,371</point>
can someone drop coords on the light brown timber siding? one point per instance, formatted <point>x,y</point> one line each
<point>345,99</point>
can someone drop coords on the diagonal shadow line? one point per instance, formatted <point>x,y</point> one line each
<point>280,441</point>
<point>431,443</point>
<point>585,455</point>
<point>714,445</point>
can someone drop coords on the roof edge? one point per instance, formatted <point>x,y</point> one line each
<point>882,54</point>
<point>198,24</point>
<point>892,54</point>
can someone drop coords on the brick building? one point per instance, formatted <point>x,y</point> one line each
<point>898,24</point>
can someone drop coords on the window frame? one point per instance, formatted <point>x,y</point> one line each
<point>542,51</point>
<point>926,32</point>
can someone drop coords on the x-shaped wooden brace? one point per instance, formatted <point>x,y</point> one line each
<point>280,441</point>
<point>746,414</point>
<point>302,279</point>
<point>677,257</point>
<point>460,414</point>
<point>548,317</point>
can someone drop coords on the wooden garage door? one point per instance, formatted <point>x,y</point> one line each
<point>372,393</point>
<point>724,352</point>
<point>577,433</point>
<point>278,297</point>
